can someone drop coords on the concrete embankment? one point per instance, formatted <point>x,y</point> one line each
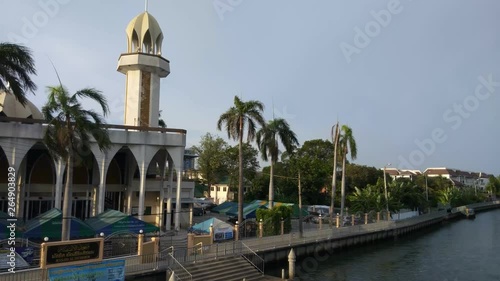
<point>316,242</point>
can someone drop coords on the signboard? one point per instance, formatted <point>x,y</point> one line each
<point>223,234</point>
<point>108,270</point>
<point>27,253</point>
<point>71,252</point>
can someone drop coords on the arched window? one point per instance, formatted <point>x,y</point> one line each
<point>135,43</point>
<point>147,43</point>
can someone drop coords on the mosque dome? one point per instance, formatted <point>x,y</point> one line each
<point>144,35</point>
<point>11,107</point>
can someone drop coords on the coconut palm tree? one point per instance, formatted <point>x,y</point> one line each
<point>347,145</point>
<point>268,139</point>
<point>68,134</point>
<point>238,117</point>
<point>335,139</point>
<point>16,66</point>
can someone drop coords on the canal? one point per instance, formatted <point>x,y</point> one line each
<point>459,250</point>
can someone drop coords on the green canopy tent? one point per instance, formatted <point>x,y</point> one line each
<point>249,211</point>
<point>222,208</point>
<point>49,224</point>
<point>112,221</point>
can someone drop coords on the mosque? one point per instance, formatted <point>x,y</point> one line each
<point>141,174</point>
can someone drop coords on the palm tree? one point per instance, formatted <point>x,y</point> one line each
<point>335,139</point>
<point>235,119</point>
<point>16,66</point>
<point>70,128</point>
<point>347,144</point>
<point>268,139</point>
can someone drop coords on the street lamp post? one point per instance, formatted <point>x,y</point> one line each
<point>385,189</point>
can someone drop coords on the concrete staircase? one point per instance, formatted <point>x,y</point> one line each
<point>223,269</point>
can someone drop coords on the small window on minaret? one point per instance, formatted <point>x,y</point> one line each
<point>147,43</point>
<point>135,43</point>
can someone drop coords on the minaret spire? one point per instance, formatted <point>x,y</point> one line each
<point>146,5</point>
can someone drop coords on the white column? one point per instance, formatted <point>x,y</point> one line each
<point>95,192</point>
<point>129,201</point>
<point>162,193</point>
<point>143,169</point>
<point>130,178</point>
<point>178,199</point>
<point>190,214</point>
<point>102,184</point>
<point>20,185</point>
<point>169,195</point>
<point>60,166</point>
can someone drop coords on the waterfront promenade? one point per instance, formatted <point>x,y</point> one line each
<point>258,251</point>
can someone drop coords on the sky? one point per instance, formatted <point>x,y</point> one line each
<point>415,80</point>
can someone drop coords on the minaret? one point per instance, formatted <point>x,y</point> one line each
<point>144,66</point>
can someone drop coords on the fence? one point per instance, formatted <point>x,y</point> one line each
<point>177,258</point>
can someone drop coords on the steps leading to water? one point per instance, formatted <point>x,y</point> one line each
<point>223,269</point>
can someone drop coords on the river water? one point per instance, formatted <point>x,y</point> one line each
<point>463,250</point>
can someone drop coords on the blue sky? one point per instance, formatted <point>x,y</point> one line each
<point>403,74</point>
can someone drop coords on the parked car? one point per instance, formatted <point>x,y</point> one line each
<point>198,212</point>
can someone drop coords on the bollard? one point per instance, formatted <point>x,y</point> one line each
<point>283,274</point>
<point>378,216</point>
<point>236,232</point>
<point>291,265</point>
<point>320,222</point>
<point>353,219</point>
<point>337,220</point>
<point>282,226</point>
<point>388,216</point>
<point>366,218</point>
<point>260,228</point>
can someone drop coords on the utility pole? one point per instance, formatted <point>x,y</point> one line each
<point>301,230</point>
<point>385,189</point>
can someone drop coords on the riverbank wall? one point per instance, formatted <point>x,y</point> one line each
<point>319,244</point>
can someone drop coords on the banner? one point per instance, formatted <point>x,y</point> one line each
<point>108,270</point>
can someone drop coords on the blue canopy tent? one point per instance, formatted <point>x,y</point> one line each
<point>112,221</point>
<point>222,230</point>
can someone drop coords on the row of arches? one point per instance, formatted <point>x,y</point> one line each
<point>38,177</point>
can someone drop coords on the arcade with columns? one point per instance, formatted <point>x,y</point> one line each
<point>140,174</point>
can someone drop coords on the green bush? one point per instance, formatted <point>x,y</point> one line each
<point>271,219</point>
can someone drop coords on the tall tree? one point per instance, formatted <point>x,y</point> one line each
<point>314,162</point>
<point>69,130</point>
<point>250,164</point>
<point>347,145</point>
<point>211,158</point>
<point>268,139</point>
<point>238,117</point>
<point>16,66</point>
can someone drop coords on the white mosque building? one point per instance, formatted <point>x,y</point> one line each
<point>141,174</point>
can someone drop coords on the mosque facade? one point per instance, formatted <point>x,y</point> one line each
<point>140,174</point>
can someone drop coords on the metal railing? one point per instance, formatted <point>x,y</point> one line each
<point>253,258</point>
<point>177,265</point>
